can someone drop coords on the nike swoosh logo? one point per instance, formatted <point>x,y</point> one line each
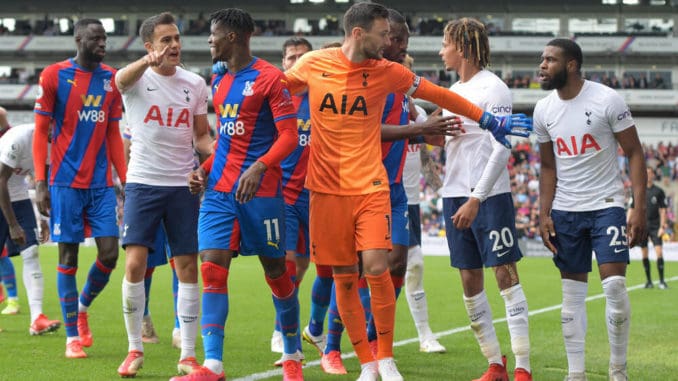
<point>150,89</point>
<point>326,74</point>
<point>616,251</point>
<point>549,124</point>
<point>383,332</point>
<point>499,255</point>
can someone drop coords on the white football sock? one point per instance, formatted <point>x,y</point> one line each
<point>573,321</point>
<point>479,313</point>
<point>133,300</point>
<point>188,308</point>
<point>415,294</point>
<point>516,318</point>
<point>618,316</point>
<point>33,280</point>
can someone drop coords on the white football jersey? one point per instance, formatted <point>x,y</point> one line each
<point>582,132</point>
<point>160,111</point>
<point>412,173</point>
<point>412,167</point>
<point>475,162</point>
<point>16,151</point>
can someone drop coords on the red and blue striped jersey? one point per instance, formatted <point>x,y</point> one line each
<point>397,113</point>
<point>81,103</point>
<point>248,105</point>
<point>295,166</point>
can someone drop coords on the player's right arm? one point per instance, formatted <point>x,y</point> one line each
<point>130,74</point>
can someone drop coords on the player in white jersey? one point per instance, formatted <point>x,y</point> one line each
<point>17,222</point>
<point>477,202</point>
<point>166,113</point>
<point>578,126</point>
<point>414,277</point>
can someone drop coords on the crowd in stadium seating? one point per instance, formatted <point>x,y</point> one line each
<point>524,167</point>
<point>628,81</point>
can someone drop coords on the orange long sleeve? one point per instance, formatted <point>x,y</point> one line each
<point>448,100</point>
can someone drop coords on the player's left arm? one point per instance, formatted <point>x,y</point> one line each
<point>16,232</point>
<point>499,126</point>
<point>630,143</point>
<point>494,167</point>
<point>201,136</point>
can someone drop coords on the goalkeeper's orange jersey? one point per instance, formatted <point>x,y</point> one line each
<point>346,102</point>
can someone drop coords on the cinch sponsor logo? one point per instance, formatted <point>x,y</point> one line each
<point>356,105</point>
<point>571,147</point>
<point>502,109</point>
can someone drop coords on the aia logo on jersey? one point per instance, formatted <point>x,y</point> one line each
<point>167,119</point>
<point>573,147</point>
<point>358,104</point>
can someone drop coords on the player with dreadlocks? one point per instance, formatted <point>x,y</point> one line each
<point>477,203</point>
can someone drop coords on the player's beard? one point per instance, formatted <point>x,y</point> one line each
<point>557,81</point>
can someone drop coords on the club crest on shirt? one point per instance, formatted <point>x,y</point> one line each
<point>107,85</point>
<point>247,91</point>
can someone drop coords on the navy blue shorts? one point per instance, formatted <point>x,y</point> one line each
<point>578,234</point>
<point>23,209</point>
<point>296,228</point>
<point>256,227</point>
<point>174,208</point>
<point>414,217</point>
<point>490,241</point>
<point>79,213</point>
<point>157,256</point>
<point>400,228</point>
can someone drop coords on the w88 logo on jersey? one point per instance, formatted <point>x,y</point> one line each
<point>232,128</point>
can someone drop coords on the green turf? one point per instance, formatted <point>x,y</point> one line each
<point>651,353</point>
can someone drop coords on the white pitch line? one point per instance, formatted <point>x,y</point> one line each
<point>278,371</point>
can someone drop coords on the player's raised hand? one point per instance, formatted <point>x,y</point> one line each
<point>197,181</point>
<point>42,198</point>
<point>500,126</point>
<point>249,182</point>
<point>155,58</point>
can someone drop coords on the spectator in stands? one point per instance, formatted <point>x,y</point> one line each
<point>658,82</point>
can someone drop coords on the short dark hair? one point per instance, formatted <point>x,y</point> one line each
<point>234,19</point>
<point>148,26</point>
<point>363,15</point>
<point>571,49</point>
<point>396,17</point>
<point>295,41</point>
<point>82,24</point>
